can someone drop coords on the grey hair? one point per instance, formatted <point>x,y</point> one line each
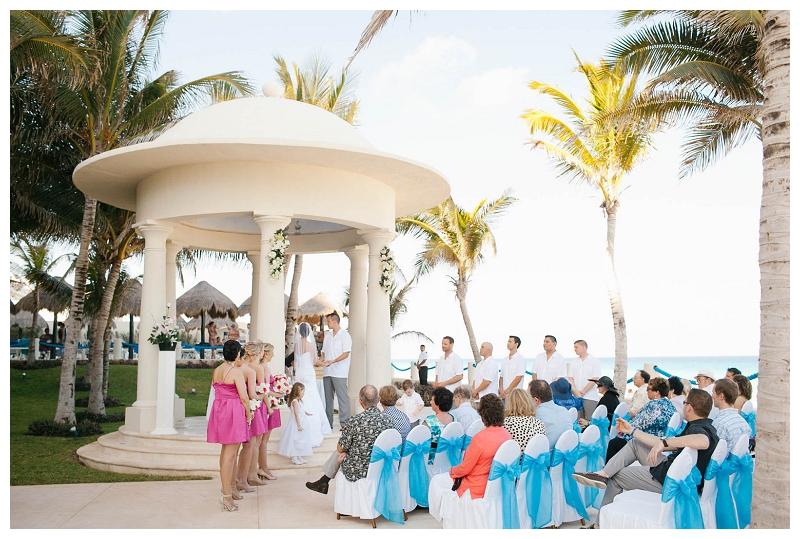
<point>368,395</point>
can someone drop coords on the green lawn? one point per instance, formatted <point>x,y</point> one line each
<point>37,460</point>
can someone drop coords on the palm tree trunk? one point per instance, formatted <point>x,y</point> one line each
<point>65,411</point>
<point>770,507</point>
<point>31,343</point>
<point>106,349</point>
<point>291,310</point>
<point>614,296</point>
<point>99,324</point>
<point>461,294</point>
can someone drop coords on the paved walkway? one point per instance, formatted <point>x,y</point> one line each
<point>281,504</point>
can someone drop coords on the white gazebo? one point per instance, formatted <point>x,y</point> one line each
<point>281,164</point>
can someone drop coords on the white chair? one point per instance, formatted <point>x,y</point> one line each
<point>749,415</point>
<point>633,514</point>
<point>620,411</point>
<point>708,499</point>
<point>474,428</point>
<point>480,513</point>
<point>357,498</point>
<point>600,413</point>
<point>713,414</point>
<point>418,435</point>
<point>740,449</point>
<point>573,414</point>
<point>674,425</point>
<point>537,446</point>
<point>441,463</point>
<point>591,496</point>
<point>562,511</point>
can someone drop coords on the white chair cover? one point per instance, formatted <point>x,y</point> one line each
<point>713,414</point>
<point>573,414</point>
<point>708,498</point>
<point>620,411</point>
<point>589,437</point>
<point>474,428</point>
<point>441,464</point>
<point>357,498</point>
<point>562,512</point>
<point>675,421</point>
<point>486,512</point>
<point>600,412</point>
<point>536,446</point>
<point>418,435</point>
<point>630,513</point>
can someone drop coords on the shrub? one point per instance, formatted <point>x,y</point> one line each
<point>80,385</point>
<point>110,402</point>
<point>425,392</point>
<point>22,365</point>
<point>48,427</point>
<point>97,418</point>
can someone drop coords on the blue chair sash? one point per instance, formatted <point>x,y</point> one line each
<point>669,432</point>
<point>466,441</point>
<point>508,475</point>
<point>742,486</point>
<point>418,480</point>
<point>723,505</point>
<point>538,488</point>
<point>751,420</point>
<point>387,502</point>
<point>602,424</point>
<point>594,461</point>
<point>576,427</point>
<point>571,492</point>
<point>626,417</point>
<point>452,446</point>
<point>686,501</point>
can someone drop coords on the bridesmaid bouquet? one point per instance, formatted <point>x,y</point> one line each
<point>274,401</point>
<point>262,388</point>
<point>282,384</point>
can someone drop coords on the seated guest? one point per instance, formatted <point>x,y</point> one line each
<point>687,386</point>
<point>745,390</point>
<point>463,410</point>
<point>474,469</point>
<point>354,449</point>
<point>441,402</point>
<point>555,418</point>
<point>729,424</point>
<point>618,475</point>
<point>609,397</point>
<point>676,395</point>
<point>640,398</point>
<point>562,395</point>
<point>731,372</point>
<point>705,380</point>
<point>521,421</point>
<point>388,397</point>
<point>653,418</point>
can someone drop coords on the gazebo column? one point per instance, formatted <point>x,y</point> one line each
<point>379,347</point>
<point>255,259</point>
<point>173,248</point>
<point>271,324</point>
<point>141,416</point>
<point>357,322</point>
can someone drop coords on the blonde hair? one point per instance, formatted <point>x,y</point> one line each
<point>519,403</point>
<point>294,393</point>
<point>253,348</point>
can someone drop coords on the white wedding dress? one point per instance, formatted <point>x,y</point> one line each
<point>318,421</point>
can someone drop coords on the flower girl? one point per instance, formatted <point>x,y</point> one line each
<point>295,437</point>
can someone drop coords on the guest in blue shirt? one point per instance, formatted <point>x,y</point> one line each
<point>388,396</point>
<point>462,409</point>
<point>729,424</point>
<point>556,418</point>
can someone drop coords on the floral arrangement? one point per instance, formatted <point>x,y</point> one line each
<point>387,269</point>
<point>282,384</point>
<point>254,405</point>
<point>165,332</point>
<point>274,402</point>
<point>277,254</point>
<point>262,388</point>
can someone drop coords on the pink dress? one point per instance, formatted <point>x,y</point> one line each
<point>258,425</point>
<point>273,421</point>
<point>227,423</point>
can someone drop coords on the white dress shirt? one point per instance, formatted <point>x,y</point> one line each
<point>449,368</point>
<point>512,367</point>
<point>581,370</point>
<point>423,356</point>
<point>550,369</point>
<point>486,370</point>
<point>334,346</point>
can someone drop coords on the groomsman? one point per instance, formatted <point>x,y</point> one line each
<point>584,369</point>
<point>486,373</point>
<point>450,368</point>
<point>513,367</point>
<point>550,364</point>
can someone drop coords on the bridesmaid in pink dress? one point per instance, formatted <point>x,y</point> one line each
<point>227,423</point>
<point>257,426</point>
<point>274,420</point>
<point>253,352</point>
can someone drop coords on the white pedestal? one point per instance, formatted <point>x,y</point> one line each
<point>414,373</point>
<point>165,398</point>
<point>117,348</point>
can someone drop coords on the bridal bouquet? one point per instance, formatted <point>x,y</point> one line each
<point>281,384</point>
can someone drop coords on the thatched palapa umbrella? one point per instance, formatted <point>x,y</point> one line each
<point>315,309</point>
<point>54,301</point>
<point>203,298</point>
<point>14,307</point>
<point>131,304</point>
<point>244,308</point>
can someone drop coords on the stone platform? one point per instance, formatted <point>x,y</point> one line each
<point>187,454</point>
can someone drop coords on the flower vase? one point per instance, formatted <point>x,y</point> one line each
<point>167,346</point>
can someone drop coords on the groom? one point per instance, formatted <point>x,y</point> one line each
<point>336,359</point>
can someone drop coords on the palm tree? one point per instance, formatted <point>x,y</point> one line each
<point>36,261</point>
<point>455,238</point>
<point>380,18</point>
<point>723,73</point>
<point>314,85</point>
<point>599,155</point>
<point>116,103</point>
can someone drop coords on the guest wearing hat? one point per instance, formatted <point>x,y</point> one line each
<point>562,395</point>
<point>609,397</point>
<point>705,381</point>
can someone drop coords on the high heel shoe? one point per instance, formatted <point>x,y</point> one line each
<point>225,506</point>
<point>255,481</point>
<point>266,475</point>
<point>245,487</point>
<point>235,493</point>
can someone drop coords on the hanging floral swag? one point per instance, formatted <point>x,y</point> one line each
<point>387,269</point>
<point>277,254</point>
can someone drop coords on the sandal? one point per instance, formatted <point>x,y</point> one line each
<point>593,526</point>
<point>266,475</point>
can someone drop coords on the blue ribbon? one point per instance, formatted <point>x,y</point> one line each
<point>466,440</point>
<point>538,488</point>
<point>576,427</point>
<point>686,509</point>
<point>602,424</point>
<point>626,417</point>
<point>508,475</point>
<point>742,487</point>
<point>751,420</point>
<point>571,492</point>
<point>669,432</point>
<point>453,448</point>
<point>387,502</point>
<point>418,479</point>
<point>594,461</point>
<point>723,506</point>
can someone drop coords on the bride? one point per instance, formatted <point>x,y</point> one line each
<point>305,358</point>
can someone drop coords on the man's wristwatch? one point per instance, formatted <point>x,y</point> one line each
<point>664,441</point>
